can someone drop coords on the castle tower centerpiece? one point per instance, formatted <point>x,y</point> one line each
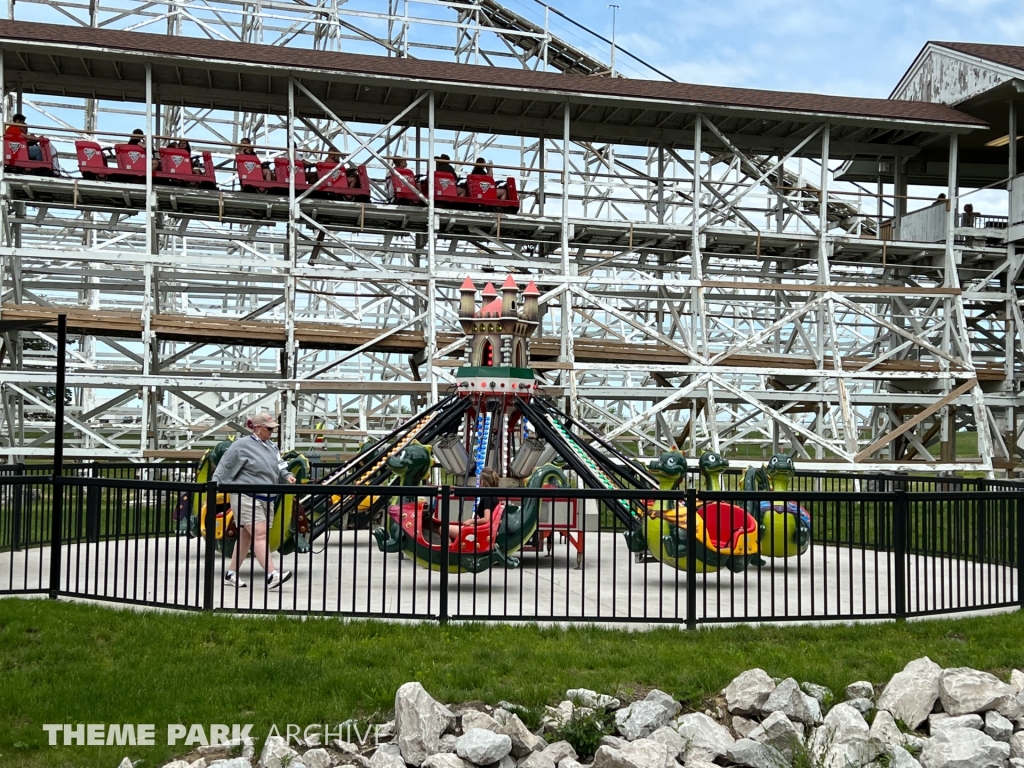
<point>498,348</point>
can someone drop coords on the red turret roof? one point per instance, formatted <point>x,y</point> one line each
<point>509,283</point>
<point>467,285</point>
<point>489,290</point>
<point>531,290</point>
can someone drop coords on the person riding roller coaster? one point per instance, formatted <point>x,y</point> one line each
<point>17,130</point>
<point>482,516</point>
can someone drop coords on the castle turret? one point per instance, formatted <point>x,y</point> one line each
<point>467,304</point>
<point>531,308</point>
<point>509,289</point>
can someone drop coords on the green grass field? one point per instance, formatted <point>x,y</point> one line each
<point>68,663</point>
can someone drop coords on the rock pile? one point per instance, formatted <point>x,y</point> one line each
<point>925,717</point>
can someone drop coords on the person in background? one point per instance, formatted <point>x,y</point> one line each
<point>138,138</point>
<point>482,516</point>
<point>254,460</point>
<point>17,130</point>
<point>444,165</point>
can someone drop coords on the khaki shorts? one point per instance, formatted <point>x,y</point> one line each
<point>250,510</point>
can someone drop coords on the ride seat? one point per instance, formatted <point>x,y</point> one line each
<point>445,185</point>
<point>16,155</point>
<point>250,168</point>
<point>723,522</point>
<point>91,158</point>
<point>481,187</point>
<point>175,162</point>
<point>131,157</point>
<point>281,172</point>
<point>398,190</point>
<point>480,537</point>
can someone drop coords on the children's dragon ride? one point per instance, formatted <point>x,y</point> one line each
<point>495,420</point>
<point>785,525</point>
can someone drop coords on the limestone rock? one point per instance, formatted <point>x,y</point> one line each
<point>568,762</point>
<point>1017,680</point>
<point>474,718</point>
<point>446,760</point>
<point>861,704</point>
<point>483,747</point>
<point>704,737</point>
<point>387,758</point>
<point>671,739</point>
<point>447,742</point>
<point>419,723</point>
<point>234,762</point>
<point>1017,745</point>
<point>997,726</point>
<point>964,691</point>
<point>537,760</point>
<point>642,718</point>
<point>742,726</point>
<point>748,692</point>
<point>788,699</point>
<point>612,741</point>
<point>523,741</point>
<point>911,694</point>
<point>200,763</point>
<point>941,721</point>
<point>557,717</point>
<point>317,758</point>
<point>277,754</point>
<point>585,697</point>
<point>176,764</point>
<point>885,731</point>
<point>779,731</point>
<point>844,739</point>
<point>900,758</point>
<point>125,763</point>
<point>1016,762</point>
<point>819,692</point>
<point>558,751</point>
<point>506,762</point>
<point>754,754</point>
<point>964,748</point>
<point>862,689</point>
<point>697,762</point>
<point>642,753</point>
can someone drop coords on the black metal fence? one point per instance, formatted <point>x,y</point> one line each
<point>887,550</point>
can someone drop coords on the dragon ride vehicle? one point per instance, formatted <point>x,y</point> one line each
<point>16,159</point>
<point>128,163</point>
<point>481,191</point>
<point>726,536</point>
<point>290,522</point>
<point>414,525</point>
<point>785,525</point>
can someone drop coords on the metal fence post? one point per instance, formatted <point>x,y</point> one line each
<point>92,510</point>
<point>1020,550</point>
<point>57,528</point>
<point>691,559</point>
<point>900,512</point>
<point>18,498</point>
<point>209,553</point>
<point>981,510</point>
<point>446,516</point>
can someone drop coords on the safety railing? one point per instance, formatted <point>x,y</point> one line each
<point>444,553</point>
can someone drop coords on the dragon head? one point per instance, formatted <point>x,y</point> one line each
<point>412,463</point>
<point>712,465</point>
<point>780,471</point>
<point>669,469</point>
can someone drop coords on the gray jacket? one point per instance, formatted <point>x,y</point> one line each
<point>249,460</point>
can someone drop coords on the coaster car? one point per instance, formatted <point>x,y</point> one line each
<point>726,536</point>
<point>481,191</point>
<point>785,525</point>
<point>16,159</point>
<point>128,163</point>
<point>414,526</point>
<point>250,177</point>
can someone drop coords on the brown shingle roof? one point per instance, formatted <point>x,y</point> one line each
<point>418,69</point>
<point>1007,55</point>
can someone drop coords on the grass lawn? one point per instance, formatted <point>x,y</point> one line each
<point>68,663</point>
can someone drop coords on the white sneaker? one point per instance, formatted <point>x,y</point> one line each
<point>230,577</point>
<point>277,578</point>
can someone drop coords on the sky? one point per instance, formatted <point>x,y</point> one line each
<point>824,46</point>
